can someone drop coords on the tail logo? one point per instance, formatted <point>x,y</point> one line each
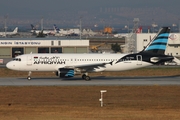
<point>158,44</point>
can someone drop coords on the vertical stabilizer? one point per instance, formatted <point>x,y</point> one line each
<point>15,30</point>
<point>55,28</point>
<point>159,43</point>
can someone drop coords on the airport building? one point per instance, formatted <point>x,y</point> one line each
<point>11,47</point>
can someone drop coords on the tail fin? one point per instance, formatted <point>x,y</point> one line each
<point>32,27</point>
<point>15,30</point>
<point>55,28</point>
<point>158,44</point>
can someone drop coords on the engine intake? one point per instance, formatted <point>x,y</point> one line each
<point>65,72</point>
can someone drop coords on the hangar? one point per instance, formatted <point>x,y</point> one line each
<point>11,47</point>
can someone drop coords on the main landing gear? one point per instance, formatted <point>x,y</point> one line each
<point>29,75</point>
<point>86,77</point>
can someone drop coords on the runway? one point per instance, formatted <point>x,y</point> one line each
<point>96,81</point>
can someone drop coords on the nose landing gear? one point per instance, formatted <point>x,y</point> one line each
<point>29,75</point>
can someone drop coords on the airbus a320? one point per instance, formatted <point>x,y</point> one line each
<point>69,65</point>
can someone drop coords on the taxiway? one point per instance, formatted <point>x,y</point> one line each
<point>96,81</point>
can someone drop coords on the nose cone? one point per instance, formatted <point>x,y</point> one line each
<point>10,65</point>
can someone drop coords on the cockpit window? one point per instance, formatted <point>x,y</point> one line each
<point>17,59</point>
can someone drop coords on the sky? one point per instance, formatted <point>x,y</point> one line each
<point>110,11</point>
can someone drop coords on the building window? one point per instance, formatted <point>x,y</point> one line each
<point>52,43</point>
<point>43,50</point>
<point>176,46</point>
<point>59,42</point>
<point>17,51</point>
<point>145,40</point>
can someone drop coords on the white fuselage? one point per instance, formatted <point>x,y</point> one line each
<point>44,31</point>
<point>52,62</point>
<point>9,33</point>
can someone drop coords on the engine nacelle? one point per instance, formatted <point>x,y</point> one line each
<point>65,72</point>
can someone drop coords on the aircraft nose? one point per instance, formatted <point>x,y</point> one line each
<point>10,65</point>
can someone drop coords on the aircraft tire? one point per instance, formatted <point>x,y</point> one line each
<point>87,78</point>
<point>29,77</point>
<point>83,76</point>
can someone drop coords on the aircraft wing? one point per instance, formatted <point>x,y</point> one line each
<point>89,67</point>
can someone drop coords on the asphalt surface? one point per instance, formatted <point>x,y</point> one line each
<point>96,81</point>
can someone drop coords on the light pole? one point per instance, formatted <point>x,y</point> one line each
<point>80,35</point>
<point>101,99</point>
<point>5,25</point>
<point>179,24</point>
<point>42,24</point>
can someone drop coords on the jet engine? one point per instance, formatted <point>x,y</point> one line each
<point>65,72</point>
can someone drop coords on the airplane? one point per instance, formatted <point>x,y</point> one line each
<point>46,32</point>
<point>69,65</point>
<point>66,32</point>
<point>9,33</point>
<point>57,31</point>
<point>121,35</point>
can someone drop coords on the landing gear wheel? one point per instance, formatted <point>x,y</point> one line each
<point>29,77</point>
<point>87,78</point>
<point>83,76</point>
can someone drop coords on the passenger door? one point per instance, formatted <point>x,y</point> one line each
<point>139,59</point>
<point>29,60</point>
